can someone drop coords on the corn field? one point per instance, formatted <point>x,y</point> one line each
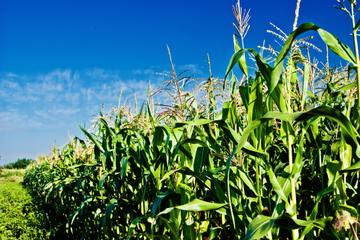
<point>269,152</point>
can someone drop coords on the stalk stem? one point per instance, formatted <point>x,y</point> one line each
<point>290,142</point>
<point>258,187</point>
<point>295,232</point>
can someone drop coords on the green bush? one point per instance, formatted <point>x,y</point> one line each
<point>19,164</point>
<point>18,217</point>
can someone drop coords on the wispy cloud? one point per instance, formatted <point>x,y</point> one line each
<point>159,74</point>
<point>192,69</point>
<point>38,110</point>
<point>63,96</point>
<point>11,118</point>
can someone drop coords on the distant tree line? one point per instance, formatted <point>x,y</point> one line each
<point>19,164</point>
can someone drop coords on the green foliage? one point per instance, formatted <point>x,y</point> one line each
<point>19,164</point>
<point>278,161</point>
<point>18,219</point>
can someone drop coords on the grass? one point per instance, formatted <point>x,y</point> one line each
<point>18,220</point>
<point>11,175</point>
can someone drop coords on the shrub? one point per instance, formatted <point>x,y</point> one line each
<point>19,164</point>
<point>19,218</point>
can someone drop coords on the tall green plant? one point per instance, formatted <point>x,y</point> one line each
<point>275,161</point>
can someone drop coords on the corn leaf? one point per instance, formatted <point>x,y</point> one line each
<point>259,227</point>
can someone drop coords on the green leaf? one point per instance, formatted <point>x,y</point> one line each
<point>349,209</point>
<point>249,149</point>
<point>93,139</point>
<point>348,86</point>
<point>286,222</point>
<point>157,202</point>
<point>255,107</point>
<point>124,164</point>
<point>198,205</point>
<point>134,223</point>
<point>195,205</point>
<point>233,61</point>
<point>201,156</point>
<point>108,211</point>
<point>349,131</point>
<point>330,40</point>
<point>278,66</point>
<point>259,227</point>
<point>102,180</point>
<point>248,182</point>
<point>242,60</point>
<point>337,46</point>
<point>244,93</point>
<point>266,72</point>
<point>168,174</point>
<point>353,168</point>
<point>158,137</point>
<point>264,68</point>
<point>276,185</point>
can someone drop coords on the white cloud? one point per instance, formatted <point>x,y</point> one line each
<point>63,97</point>
<point>191,68</point>
<point>14,119</point>
<point>64,111</point>
<point>100,74</point>
<point>56,113</point>
<point>39,110</point>
<point>149,72</point>
<point>35,107</point>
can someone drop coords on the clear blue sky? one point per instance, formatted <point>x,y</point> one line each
<point>61,60</point>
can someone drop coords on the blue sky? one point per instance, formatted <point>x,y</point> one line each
<point>62,61</point>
